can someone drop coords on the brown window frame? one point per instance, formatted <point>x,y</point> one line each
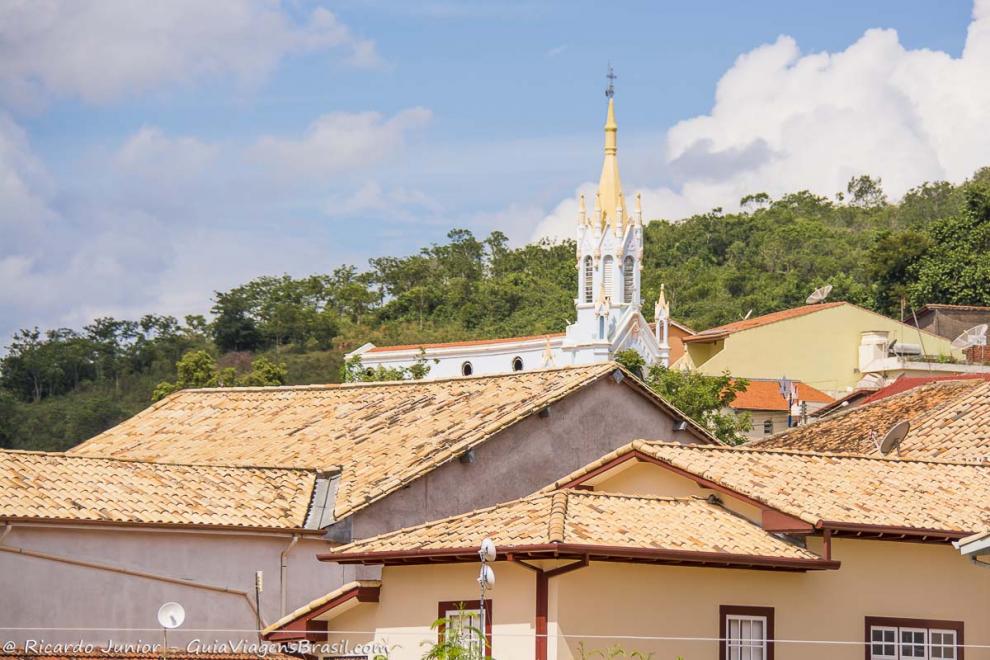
<point>742,610</point>
<point>903,622</point>
<point>445,606</point>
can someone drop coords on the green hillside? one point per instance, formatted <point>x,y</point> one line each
<point>60,386</point>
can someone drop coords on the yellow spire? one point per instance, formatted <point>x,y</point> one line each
<point>609,185</point>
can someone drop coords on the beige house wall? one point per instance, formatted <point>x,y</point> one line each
<point>408,607</point>
<point>633,604</point>
<point>819,615</point>
<point>636,478</point>
<point>820,349</point>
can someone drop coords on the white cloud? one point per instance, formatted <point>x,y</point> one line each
<point>100,51</point>
<point>339,142</point>
<point>784,121</point>
<point>398,203</point>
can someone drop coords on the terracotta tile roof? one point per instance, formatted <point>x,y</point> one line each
<point>905,383</point>
<point>46,486</point>
<point>758,321</point>
<point>336,594</point>
<point>968,308</point>
<point>949,421</point>
<point>837,488</point>
<point>765,395</point>
<point>584,519</point>
<point>381,435</point>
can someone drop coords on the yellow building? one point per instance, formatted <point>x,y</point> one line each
<point>833,347</point>
<point>831,556</point>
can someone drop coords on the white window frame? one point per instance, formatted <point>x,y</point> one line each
<point>943,645</point>
<point>893,643</point>
<point>628,278</point>
<point>589,280</point>
<point>608,274</point>
<point>473,619</point>
<point>948,640</point>
<point>745,648</point>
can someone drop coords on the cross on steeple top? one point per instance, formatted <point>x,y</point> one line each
<point>610,90</point>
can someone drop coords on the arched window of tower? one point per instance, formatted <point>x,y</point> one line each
<point>589,294</point>
<point>608,263</point>
<point>627,279</point>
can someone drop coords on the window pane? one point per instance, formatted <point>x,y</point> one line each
<point>884,643</point>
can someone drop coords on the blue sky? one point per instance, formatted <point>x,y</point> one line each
<point>155,152</point>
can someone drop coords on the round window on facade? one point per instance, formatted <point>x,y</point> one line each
<point>467,369</point>
<point>517,364</point>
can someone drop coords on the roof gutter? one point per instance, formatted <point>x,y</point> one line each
<point>586,552</point>
<point>889,533</point>
<point>123,525</point>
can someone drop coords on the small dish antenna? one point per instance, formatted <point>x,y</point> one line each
<point>171,615</point>
<point>819,295</point>
<point>487,550</point>
<point>892,439</point>
<point>487,578</point>
<point>975,336</point>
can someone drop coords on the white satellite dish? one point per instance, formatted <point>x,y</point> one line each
<point>818,295</point>
<point>487,577</point>
<point>894,437</point>
<point>171,615</point>
<point>487,550</point>
<point>975,336</point>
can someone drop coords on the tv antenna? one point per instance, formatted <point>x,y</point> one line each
<point>893,438</point>
<point>975,336</point>
<point>819,295</point>
<point>610,90</point>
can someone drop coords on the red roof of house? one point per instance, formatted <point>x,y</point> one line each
<point>905,383</point>
<point>765,395</point>
<point>766,319</point>
<point>485,342</point>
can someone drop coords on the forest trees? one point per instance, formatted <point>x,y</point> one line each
<point>59,386</point>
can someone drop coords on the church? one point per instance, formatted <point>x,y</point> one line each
<point>608,302</point>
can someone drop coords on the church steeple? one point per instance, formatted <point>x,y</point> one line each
<point>613,210</point>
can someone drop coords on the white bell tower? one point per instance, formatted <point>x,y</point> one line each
<point>609,253</point>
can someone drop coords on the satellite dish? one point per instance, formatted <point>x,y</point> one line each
<point>975,336</point>
<point>487,551</point>
<point>487,577</point>
<point>818,295</point>
<point>171,615</point>
<point>894,436</point>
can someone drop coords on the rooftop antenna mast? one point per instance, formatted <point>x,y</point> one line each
<point>610,90</point>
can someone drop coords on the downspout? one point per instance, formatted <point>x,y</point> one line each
<point>284,572</point>
<point>540,623</point>
<point>129,571</point>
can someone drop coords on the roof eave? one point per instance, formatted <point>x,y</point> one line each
<point>247,529</point>
<point>586,552</point>
<point>891,533</point>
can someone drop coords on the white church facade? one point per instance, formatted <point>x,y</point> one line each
<point>608,304</point>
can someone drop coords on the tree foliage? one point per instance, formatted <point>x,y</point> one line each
<point>705,399</point>
<point>60,386</point>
